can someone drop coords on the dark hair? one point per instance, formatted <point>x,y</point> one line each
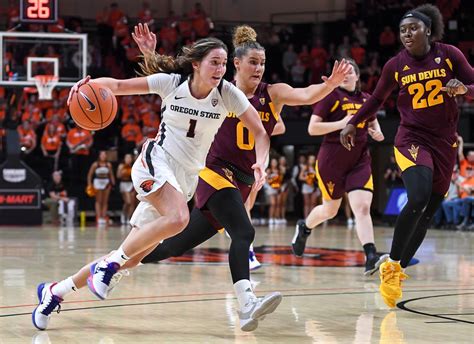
<point>243,39</point>
<point>182,64</point>
<point>437,24</point>
<point>357,71</point>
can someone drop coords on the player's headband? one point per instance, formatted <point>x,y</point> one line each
<point>418,15</point>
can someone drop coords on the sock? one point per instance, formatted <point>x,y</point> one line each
<point>251,247</point>
<point>369,249</point>
<point>118,257</point>
<point>243,291</point>
<point>393,261</point>
<point>64,287</point>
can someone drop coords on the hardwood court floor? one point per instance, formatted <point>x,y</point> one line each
<point>326,298</point>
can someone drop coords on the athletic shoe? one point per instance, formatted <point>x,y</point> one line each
<point>298,243</point>
<point>47,304</point>
<point>390,286</point>
<point>100,279</point>
<point>258,308</point>
<point>350,223</point>
<point>114,281</point>
<point>254,264</point>
<point>373,263</point>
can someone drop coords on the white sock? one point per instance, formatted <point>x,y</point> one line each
<point>118,257</point>
<point>243,291</point>
<point>64,287</point>
<point>393,261</point>
<point>251,247</point>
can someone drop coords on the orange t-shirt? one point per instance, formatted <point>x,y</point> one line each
<point>468,182</point>
<point>51,143</point>
<point>132,133</point>
<point>33,116</point>
<point>27,137</point>
<point>60,128</point>
<point>77,136</point>
<point>464,165</point>
<point>61,113</point>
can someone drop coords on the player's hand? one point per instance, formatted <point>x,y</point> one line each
<point>339,72</point>
<point>345,120</point>
<point>259,174</point>
<point>377,135</point>
<point>347,136</point>
<point>454,87</point>
<point>75,88</point>
<point>145,39</point>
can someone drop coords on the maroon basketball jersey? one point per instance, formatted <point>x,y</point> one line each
<point>337,105</point>
<point>423,106</point>
<point>234,143</point>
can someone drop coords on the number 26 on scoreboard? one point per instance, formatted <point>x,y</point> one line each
<point>39,11</point>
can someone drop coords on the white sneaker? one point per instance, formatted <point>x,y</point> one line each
<point>99,281</point>
<point>114,281</point>
<point>257,308</point>
<point>47,304</point>
<point>254,264</point>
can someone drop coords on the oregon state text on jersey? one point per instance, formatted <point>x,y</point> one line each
<point>188,124</point>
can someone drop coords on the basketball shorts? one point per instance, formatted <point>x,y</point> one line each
<point>101,183</point>
<point>339,170</point>
<point>154,167</point>
<point>126,186</point>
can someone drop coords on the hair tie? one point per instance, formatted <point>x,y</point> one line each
<point>418,15</point>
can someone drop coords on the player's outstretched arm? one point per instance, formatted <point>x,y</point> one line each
<point>118,87</point>
<point>284,94</point>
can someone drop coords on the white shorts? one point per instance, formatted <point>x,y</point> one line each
<point>144,213</point>
<point>126,186</point>
<point>101,183</point>
<point>154,168</point>
<point>307,189</point>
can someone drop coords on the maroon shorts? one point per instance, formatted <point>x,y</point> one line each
<point>214,177</point>
<point>339,170</point>
<point>438,154</point>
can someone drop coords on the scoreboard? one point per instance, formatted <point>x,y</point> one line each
<point>39,11</point>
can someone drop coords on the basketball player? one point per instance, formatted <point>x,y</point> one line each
<point>226,182</point>
<point>339,171</point>
<point>429,75</point>
<point>196,100</point>
<point>101,178</point>
<point>124,175</point>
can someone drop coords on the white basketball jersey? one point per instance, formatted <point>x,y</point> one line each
<point>188,125</point>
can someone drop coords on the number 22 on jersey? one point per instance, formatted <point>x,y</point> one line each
<point>418,90</point>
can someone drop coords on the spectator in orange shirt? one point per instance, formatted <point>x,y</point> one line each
<point>169,36</point>
<point>151,122</point>
<point>32,114</point>
<point>185,27</point>
<point>467,196</point>
<point>319,53</point>
<point>115,14</point>
<point>305,57</point>
<point>56,109</point>
<point>358,53</point>
<point>27,137</point>
<point>51,147</point>
<point>465,163</point>
<point>145,16</point>
<point>387,41</point>
<point>130,111</point>
<point>131,135</point>
<point>57,125</point>
<point>79,142</point>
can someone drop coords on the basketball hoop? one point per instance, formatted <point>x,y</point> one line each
<point>45,85</point>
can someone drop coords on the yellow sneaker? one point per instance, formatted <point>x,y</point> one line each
<point>390,282</point>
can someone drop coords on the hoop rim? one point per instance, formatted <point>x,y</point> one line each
<point>42,79</point>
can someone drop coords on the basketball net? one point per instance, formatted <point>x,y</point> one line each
<point>45,85</point>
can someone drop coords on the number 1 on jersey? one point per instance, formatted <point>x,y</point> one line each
<point>192,128</point>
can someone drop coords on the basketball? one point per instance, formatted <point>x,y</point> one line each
<point>93,107</point>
